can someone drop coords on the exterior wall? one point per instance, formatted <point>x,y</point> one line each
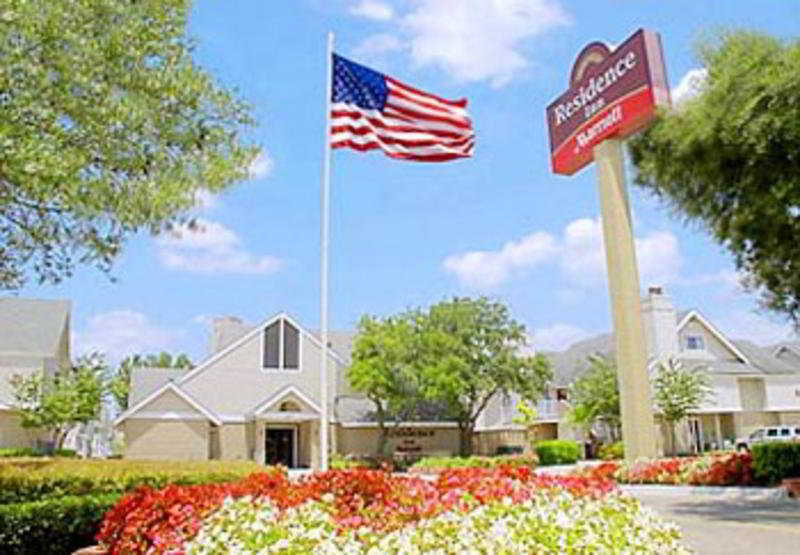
<point>304,440</point>
<point>714,348</point>
<point>658,316</point>
<point>170,402</point>
<point>14,435</point>
<point>782,392</point>
<point>789,418</point>
<point>233,441</point>
<point>726,394</point>
<point>746,421</point>
<point>363,440</point>
<point>236,382</point>
<point>487,442</point>
<point>166,439</point>
<point>752,394</point>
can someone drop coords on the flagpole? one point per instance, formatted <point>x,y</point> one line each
<point>324,233</point>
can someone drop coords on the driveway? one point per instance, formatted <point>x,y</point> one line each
<point>721,524</point>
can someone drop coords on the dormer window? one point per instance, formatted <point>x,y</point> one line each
<point>695,343</point>
<point>281,346</point>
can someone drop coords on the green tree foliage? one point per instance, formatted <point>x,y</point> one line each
<point>594,396</point>
<point>455,356</point>
<point>470,351</point>
<point>382,369</point>
<point>729,160</point>
<point>59,402</point>
<point>676,391</point>
<point>120,384</point>
<point>107,128</point>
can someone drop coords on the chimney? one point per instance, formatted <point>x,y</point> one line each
<point>224,331</point>
<point>660,323</point>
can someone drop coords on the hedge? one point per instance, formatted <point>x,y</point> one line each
<point>26,480</point>
<point>611,451</point>
<point>436,464</point>
<point>774,461</point>
<point>557,451</point>
<point>7,452</point>
<point>57,525</point>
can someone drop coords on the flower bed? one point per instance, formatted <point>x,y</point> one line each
<point>500,510</point>
<point>434,465</point>
<point>728,469</point>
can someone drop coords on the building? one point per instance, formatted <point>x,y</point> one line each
<point>257,395</point>
<point>34,337</point>
<point>752,386</point>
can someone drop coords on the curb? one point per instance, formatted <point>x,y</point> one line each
<point>727,492</point>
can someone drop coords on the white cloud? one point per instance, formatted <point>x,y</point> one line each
<point>261,166</point>
<point>120,333</point>
<point>476,40</point>
<point>481,269</point>
<point>579,253</point>
<point>372,9</point>
<point>690,85</point>
<point>375,46</point>
<point>471,40</point>
<point>211,248</point>
<point>205,200</point>
<point>558,337</point>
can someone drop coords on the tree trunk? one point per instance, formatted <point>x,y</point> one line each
<point>465,439</point>
<point>672,441</point>
<point>383,435</point>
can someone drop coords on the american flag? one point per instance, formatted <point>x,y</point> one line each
<point>371,110</point>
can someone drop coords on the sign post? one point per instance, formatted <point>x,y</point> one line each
<point>613,94</point>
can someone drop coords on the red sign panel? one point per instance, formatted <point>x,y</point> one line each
<point>611,94</point>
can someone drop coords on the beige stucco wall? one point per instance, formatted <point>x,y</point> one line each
<point>166,439</point>
<point>168,401</point>
<point>752,394</point>
<point>363,440</point>
<point>783,392</point>
<point>714,348</point>
<point>236,383</point>
<point>14,435</point>
<point>487,442</point>
<point>746,421</point>
<point>233,441</point>
<point>789,417</point>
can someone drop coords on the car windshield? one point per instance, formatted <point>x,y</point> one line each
<point>757,434</point>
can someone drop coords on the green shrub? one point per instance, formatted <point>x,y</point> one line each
<point>611,451</point>
<point>557,451</point>
<point>772,462</point>
<point>8,452</point>
<point>57,525</point>
<point>439,463</point>
<point>23,480</point>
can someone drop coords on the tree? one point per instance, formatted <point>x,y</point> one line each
<point>468,351</point>
<point>59,402</point>
<point>729,160</point>
<point>108,128</point>
<point>381,369</point>
<point>676,391</point>
<point>594,396</point>
<point>120,385</point>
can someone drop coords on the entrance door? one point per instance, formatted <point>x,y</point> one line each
<point>279,447</point>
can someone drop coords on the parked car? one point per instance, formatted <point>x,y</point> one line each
<point>769,433</point>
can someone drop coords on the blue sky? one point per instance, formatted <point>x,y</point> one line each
<point>408,234</point>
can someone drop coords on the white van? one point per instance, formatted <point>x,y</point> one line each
<point>770,433</point>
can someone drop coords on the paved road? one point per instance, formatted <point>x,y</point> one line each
<point>715,524</point>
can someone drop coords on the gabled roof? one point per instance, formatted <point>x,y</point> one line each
<point>571,363</point>
<point>695,315</point>
<point>251,334</point>
<point>285,392</point>
<point>32,327</point>
<point>144,381</point>
<point>169,387</point>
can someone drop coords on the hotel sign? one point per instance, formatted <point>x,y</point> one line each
<point>611,94</point>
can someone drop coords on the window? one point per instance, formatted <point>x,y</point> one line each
<point>695,343</point>
<point>786,432</point>
<point>281,346</point>
<point>772,432</point>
